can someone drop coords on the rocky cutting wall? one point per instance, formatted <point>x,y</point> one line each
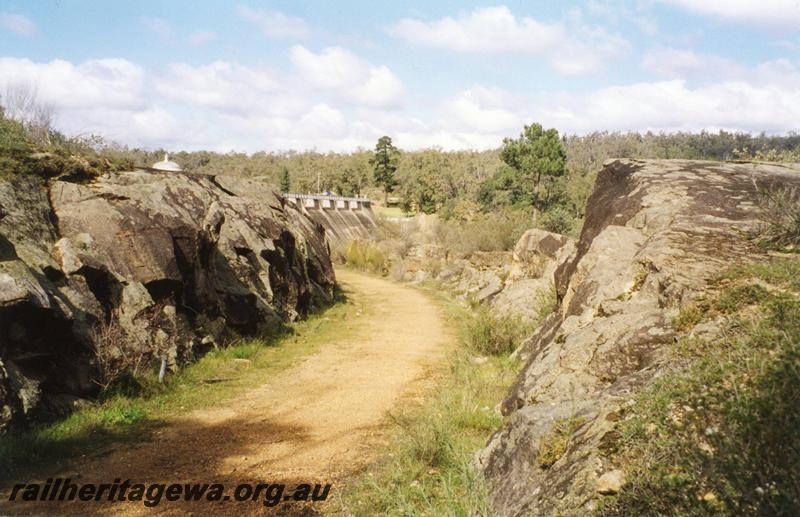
<point>143,265</point>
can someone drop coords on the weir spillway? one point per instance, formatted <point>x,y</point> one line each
<point>344,218</point>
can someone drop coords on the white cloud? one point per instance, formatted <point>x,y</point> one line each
<point>788,44</point>
<point>588,53</point>
<point>157,26</point>
<point>200,38</point>
<point>488,110</point>
<point>225,105</point>
<point>682,63</point>
<point>340,71</point>
<point>771,104</point>
<point>17,23</point>
<point>99,96</point>
<point>572,48</point>
<point>104,83</point>
<point>619,12</point>
<point>151,126</point>
<point>768,13</point>
<point>220,105</point>
<point>765,98</point>
<point>275,24</point>
<point>477,118</point>
<point>221,85</point>
<point>323,121</point>
<point>780,72</point>
<point>486,29</point>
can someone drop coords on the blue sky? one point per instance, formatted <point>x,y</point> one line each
<point>336,75</point>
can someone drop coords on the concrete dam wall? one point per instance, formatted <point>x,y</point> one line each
<point>344,218</point>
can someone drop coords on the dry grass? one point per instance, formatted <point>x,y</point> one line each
<point>491,232</point>
<point>366,256</point>
<point>780,218</point>
<point>720,433</point>
<point>493,334</point>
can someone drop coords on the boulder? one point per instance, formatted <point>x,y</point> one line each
<point>481,284</point>
<point>493,285</point>
<point>521,298</point>
<point>531,274</point>
<point>539,242</point>
<point>655,233</point>
<point>489,259</point>
<point>610,482</point>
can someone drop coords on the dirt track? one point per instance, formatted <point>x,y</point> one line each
<point>318,421</point>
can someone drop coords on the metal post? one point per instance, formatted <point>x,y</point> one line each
<point>163,371</point>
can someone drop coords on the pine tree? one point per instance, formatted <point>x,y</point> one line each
<point>535,155</point>
<point>285,179</point>
<point>384,162</point>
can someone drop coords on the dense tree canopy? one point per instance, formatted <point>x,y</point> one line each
<point>535,155</point>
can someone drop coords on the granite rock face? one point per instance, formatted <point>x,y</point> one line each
<point>655,233</point>
<point>143,263</point>
<point>509,283</point>
<point>531,273</point>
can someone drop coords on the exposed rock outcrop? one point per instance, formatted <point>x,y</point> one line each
<point>655,233</point>
<point>511,283</point>
<point>531,276</point>
<point>141,264</point>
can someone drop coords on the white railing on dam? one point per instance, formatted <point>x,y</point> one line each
<point>328,201</point>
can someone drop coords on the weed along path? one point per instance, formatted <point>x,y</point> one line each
<point>316,421</point>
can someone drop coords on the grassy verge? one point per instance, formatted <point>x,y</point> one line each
<point>427,468</point>
<point>720,434</point>
<point>390,211</point>
<point>221,375</point>
<point>492,334</point>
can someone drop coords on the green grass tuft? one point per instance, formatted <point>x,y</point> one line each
<point>366,256</point>
<point>721,434</point>
<point>736,297</point>
<point>492,334</point>
<point>690,315</point>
